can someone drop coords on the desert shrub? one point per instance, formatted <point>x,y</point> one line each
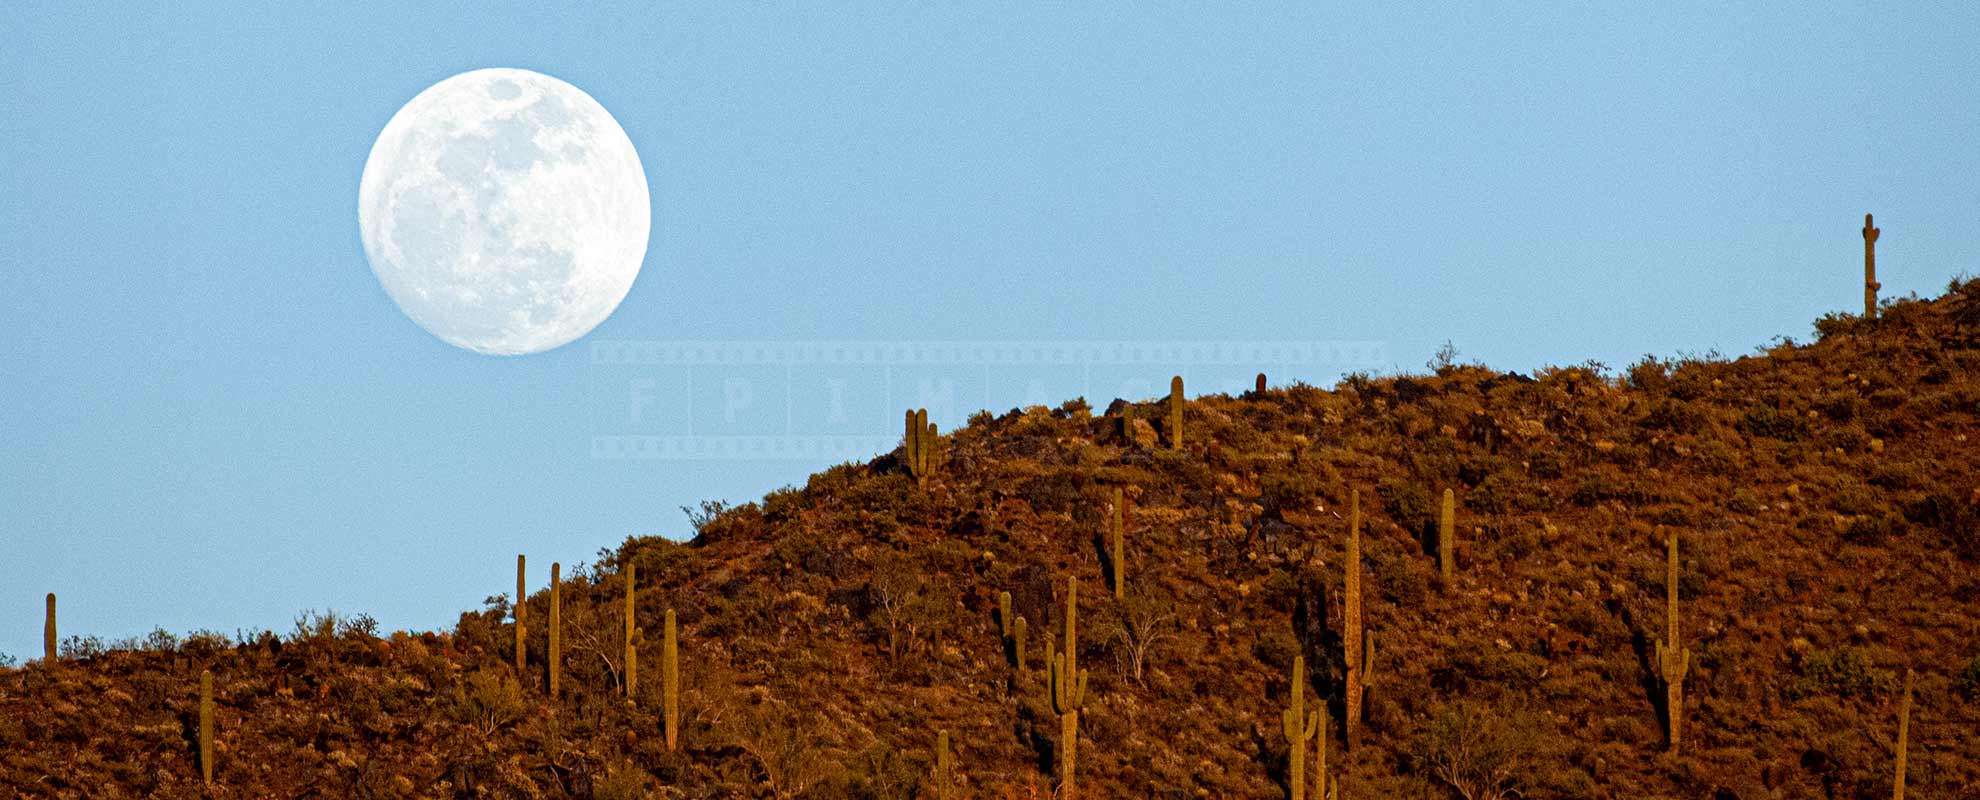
<point>1409,504</point>
<point>1957,520</point>
<point>78,647</point>
<point>1839,672</point>
<point>1404,584</point>
<point>1833,323</point>
<point>1967,682</point>
<point>1744,501</point>
<point>1676,416</point>
<point>1481,752</point>
<point>486,700</point>
<point>1873,529</point>
<point>1544,464</point>
<point>1855,498</point>
<point>1771,423</point>
<point>8,661</point>
<point>1841,406</point>
<point>1290,490</point>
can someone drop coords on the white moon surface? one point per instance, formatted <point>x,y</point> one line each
<point>505,211</point>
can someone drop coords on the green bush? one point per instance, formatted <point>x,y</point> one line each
<point>1839,672</point>
<point>1967,682</point>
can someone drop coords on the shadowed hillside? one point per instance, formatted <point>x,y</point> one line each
<point>1825,499</point>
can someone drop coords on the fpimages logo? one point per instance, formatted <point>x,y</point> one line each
<point>840,400</point>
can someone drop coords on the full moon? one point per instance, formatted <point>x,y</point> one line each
<point>505,211</point>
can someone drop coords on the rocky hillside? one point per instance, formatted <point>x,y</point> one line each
<point>1824,497</point>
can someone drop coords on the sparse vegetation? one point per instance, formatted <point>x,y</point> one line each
<point>814,644</point>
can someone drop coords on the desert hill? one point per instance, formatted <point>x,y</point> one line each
<point>1825,498</point>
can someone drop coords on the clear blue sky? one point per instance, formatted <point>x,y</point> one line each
<point>211,416</point>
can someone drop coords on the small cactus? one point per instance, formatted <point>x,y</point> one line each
<point>522,605</point>
<point>1870,284</point>
<point>1116,550</point>
<point>633,635</point>
<point>1176,413</point>
<point>1299,726</point>
<point>556,627</point>
<point>1903,739</point>
<point>670,679</point>
<point>48,634</point>
<point>1259,386</point>
<point>1017,646</point>
<point>1447,536</point>
<point>1672,661</point>
<point>1351,641</point>
<point>945,775</point>
<point>1127,423</point>
<point>206,726</point>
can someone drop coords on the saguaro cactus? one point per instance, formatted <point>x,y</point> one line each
<point>670,680</point>
<point>633,635</point>
<point>1116,549</point>
<point>1176,413</point>
<point>206,726</point>
<point>1259,386</point>
<point>556,627</point>
<point>1447,536</point>
<point>1672,661</point>
<point>1320,782</point>
<point>1127,424</point>
<point>522,606</point>
<point>1870,284</point>
<point>1299,726</point>
<point>48,634</point>
<point>919,444</point>
<point>1903,740</point>
<point>1017,646</point>
<point>945,775</point>
<point>1069,694</point>
<point>1351,619</point>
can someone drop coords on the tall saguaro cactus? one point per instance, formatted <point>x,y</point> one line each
<point>1447,536</point>
<point>1351,619</point>
<point>1672,661</point>
<point>1870,284</point>
<point>919,441</point>
<point>1116,544</point>
<point>1903,740</point>
<point>522,607</point>
<point>556,627</point>
<point>1068,688</point>
<point>1299,726</point>
<point>670,679</point>
<point>206,726</point>
<point>48,634</point>
<point>1013,630</point>
<point>634,636</point>
<point>1176,413</point>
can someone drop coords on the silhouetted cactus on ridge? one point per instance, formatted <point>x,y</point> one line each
<point>1176,413</point>
<point>48,634</point>
<point>522,606</point>
<point>1870,284</point>
<point>556,627</point>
